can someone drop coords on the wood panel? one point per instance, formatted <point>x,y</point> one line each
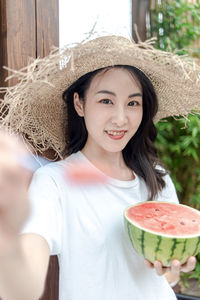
<point>139,10</point>
<point>47,26</point>
<point>3,41</point>
<point>29,28</point>
<point>21,41</point>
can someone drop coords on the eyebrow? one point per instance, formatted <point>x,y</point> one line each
<point>113,94</point>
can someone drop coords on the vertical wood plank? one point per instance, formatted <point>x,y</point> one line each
<point>139,10</point>
<point>21,42</point>
<point>47,26</point>
<point>3,43</point>
<point>29,28</point>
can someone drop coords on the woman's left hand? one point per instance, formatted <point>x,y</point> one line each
<point>175,267</point>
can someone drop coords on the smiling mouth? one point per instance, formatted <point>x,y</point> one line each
<point>116,134</point>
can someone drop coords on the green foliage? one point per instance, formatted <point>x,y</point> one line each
<point>178,143</point>
<point>195,274</point>
<point>176,26</point>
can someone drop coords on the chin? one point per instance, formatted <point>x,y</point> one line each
<point>115,149</point>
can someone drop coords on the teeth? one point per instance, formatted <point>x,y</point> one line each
<point>115,133</point>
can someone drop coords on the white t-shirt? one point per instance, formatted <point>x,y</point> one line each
<point>84,227</point>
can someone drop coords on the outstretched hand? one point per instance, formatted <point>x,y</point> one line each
<point>175,268</point>
<point>14,182</point>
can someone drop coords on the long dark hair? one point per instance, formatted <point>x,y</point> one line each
<point>140,154</point>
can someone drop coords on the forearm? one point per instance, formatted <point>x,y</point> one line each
<point>18,280</point>
<point>23,259</point>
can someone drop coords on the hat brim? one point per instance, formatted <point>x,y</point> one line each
<point>35,109</point>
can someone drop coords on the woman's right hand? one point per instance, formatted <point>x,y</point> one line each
<point>14,182</point>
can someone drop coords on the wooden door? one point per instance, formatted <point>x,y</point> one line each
<point>29,28</point>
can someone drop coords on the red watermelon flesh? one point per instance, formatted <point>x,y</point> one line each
<point>166,218</point>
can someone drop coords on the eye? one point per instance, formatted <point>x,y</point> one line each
<point>133,103</point>
<point>105,101</point>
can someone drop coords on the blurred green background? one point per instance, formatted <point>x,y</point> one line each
<point>176,25</point>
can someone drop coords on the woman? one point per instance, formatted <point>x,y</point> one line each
<point>110,87</point>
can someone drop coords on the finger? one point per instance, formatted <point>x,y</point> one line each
<point>160,270</point>
<point>175,267</point>
<point>14,175</point>
<point>11,144</point>
<point>13,182</point>
<point>189,265</point>
<point>149,264</point>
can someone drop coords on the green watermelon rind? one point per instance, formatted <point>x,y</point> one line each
<point>154,246</point>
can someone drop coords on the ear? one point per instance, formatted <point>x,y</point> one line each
<point>78,105</point>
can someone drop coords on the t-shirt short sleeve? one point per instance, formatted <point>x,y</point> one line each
<point>45,210</point>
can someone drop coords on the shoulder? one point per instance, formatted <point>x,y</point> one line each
<point>53,168</point>
<point>52,173</point>
<point>47,175</point>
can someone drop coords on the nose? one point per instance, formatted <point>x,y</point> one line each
<point>119,117</point>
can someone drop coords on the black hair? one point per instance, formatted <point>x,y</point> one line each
<point>140,153</point>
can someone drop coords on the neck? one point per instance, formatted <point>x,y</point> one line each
<point>111,164</point>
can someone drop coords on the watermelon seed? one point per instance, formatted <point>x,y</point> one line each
<point>182,223</point>
<point>156,209</point>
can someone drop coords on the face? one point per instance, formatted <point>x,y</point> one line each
<point>112,110</point>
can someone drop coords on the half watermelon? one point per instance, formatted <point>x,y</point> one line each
<point>163,231</point>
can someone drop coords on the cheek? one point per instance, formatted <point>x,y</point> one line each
<point>136,118</point>
<point>92,120</point>
<point>140,117</point>
<point>95,116</point>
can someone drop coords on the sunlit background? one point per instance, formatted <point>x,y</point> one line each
<point>78,18</point>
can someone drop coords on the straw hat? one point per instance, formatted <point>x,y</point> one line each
<point>35,109</point>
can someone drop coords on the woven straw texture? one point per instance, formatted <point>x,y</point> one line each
<point>34,107</point>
